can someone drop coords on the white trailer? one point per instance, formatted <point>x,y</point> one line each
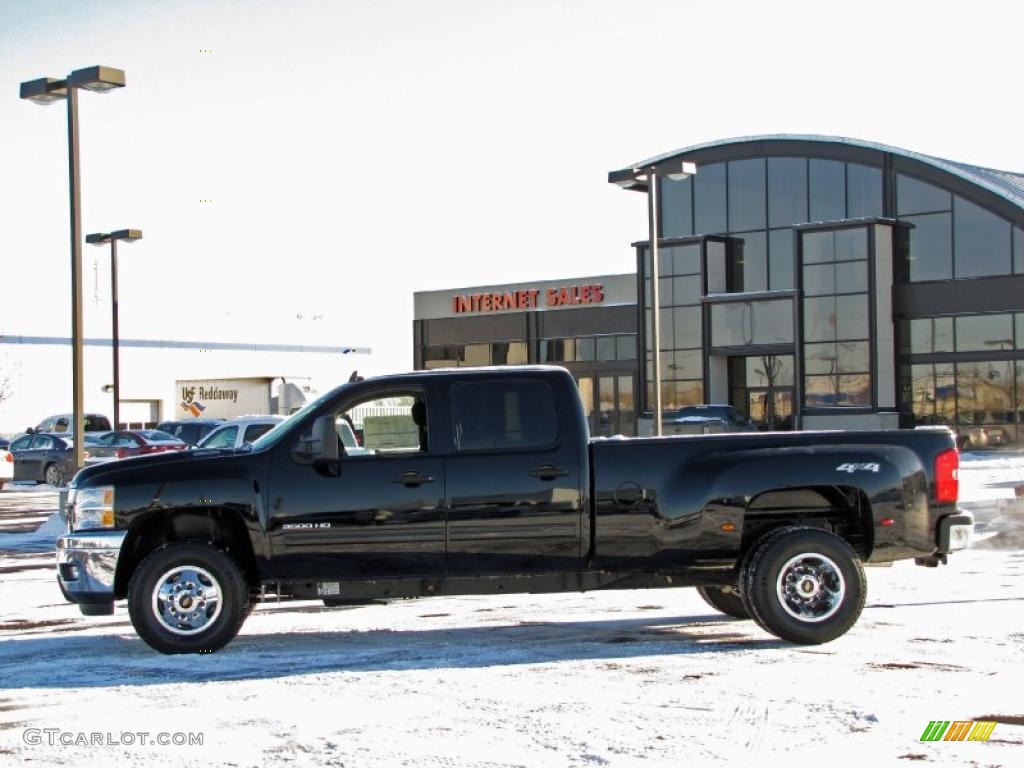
<point>230,398</point>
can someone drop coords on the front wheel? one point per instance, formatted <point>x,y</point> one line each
<point>804,585</point>
<point>725,599</point>
<point>188,597</point>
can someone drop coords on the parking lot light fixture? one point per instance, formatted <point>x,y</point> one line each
<point>46,90</point>
<point>99,238</point>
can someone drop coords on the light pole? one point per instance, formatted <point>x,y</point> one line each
<point>47,90</point>
<point>654,226</point>
<point>99,238</point>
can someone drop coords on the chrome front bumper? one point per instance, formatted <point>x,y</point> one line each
<point>86,564</point>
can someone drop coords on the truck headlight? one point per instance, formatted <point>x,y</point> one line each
<point>92,507</point>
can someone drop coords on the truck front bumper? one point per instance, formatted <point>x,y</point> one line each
<point>86,564</point>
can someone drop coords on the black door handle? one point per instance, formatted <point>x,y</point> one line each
<point>548,472</point>
<point>412,478</point>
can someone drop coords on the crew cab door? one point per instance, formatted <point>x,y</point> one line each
<point>513,479</point>
<point>380,512</point>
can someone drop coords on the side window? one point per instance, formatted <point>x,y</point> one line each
<point>107,439</point>
<point>254,431</point>
<point>61,425</point>
<point>124,441</point>
<point>503,415</point>
<point>40,442</point>
<point>391,423</point>
<point>223,439</point>
<point>22,443</point>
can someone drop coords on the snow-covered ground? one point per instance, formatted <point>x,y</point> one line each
<point>623,678</point>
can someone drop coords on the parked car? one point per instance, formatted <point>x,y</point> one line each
<point>6,467</point>
<point>45,457</point>
<point>192,431</point>
<point>126,443</point>
<point>705,420</point>
<point>487,482</point>
<point>237,432</point>
<point>94,422</point>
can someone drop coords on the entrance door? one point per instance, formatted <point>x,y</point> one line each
<point>771,409</point>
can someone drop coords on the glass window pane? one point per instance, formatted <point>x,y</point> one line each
<point>684,365</point>
<point>819,279</point>
<point>837,391</point>
<point>746,195</point>
<point>985,393</point>
<point>505,415</point>
<point>1018,250</point>
<point>780,259</point>
<point>853,356</point>
<point>477,354</point>
<point>820,319</point>
<point>819,247</point>
<point>666,331</point>
<point>676,207</point>
<point>856,390</point>
<point>605,348</point>
<point>627,408</point>
<point>686,323</point>
<point>820,358</point>
<point>851,320</point>
<point>827,190</point>
<point>685,259</point>
<point>606,406</point>
<point>772,322</point>
<point>625,348</point>
<point>852,277</point>
<point>584,350</point>
<point>928,335</point>
<point>752,261</point>
<point>686,290</point>
<point>665,292</point>
<point>517,353</point>
<point>769,370</point>
<point>982,241</point>
<point>730,325</point>
<point>863,191</point>
<point>913,196</point>
<point>984,333</point>
<point>851,243</point>
<point>931,247</point>
<point>709,199</point>
<point>1019,324</point>
<point>586,386</point>
<point>787,191</point>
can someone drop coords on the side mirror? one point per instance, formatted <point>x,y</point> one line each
<point>320,446</point>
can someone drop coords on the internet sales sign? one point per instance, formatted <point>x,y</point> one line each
<point>530,298</point>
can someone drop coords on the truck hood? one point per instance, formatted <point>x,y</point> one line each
<point>110,473</point>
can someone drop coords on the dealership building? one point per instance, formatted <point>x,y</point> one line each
<point>810,281</point>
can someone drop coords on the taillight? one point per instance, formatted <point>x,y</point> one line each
<point>9,457</point>
<point>947,477</point>
<point>119,453</point>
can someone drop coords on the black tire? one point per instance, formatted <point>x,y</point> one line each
<point>52,475</point>
<point>727,600</point>
<point>64,591</point>
<point>192,567</point>
<point>805,585</point>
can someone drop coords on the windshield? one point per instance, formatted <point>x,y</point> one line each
<point>270,438</point>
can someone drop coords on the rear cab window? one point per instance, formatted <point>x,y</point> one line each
<point>514,414</point>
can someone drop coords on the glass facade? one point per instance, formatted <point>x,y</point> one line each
<point>836,313</point>
<point>848,230</point>
<point>680,288</point>
<point>469,355</point>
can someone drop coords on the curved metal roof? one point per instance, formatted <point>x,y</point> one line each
<point>1006,184</point>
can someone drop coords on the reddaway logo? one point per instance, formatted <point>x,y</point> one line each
<point>189,404</point>
<point>958,730</point>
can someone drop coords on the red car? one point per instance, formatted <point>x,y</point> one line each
<point>123,443</point>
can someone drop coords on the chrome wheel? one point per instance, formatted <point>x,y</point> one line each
<point>186,600</point>
<point>810,587</point>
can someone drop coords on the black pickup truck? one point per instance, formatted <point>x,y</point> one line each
<point>487,481</point>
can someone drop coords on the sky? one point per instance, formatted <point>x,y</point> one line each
<point>300,168</point>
